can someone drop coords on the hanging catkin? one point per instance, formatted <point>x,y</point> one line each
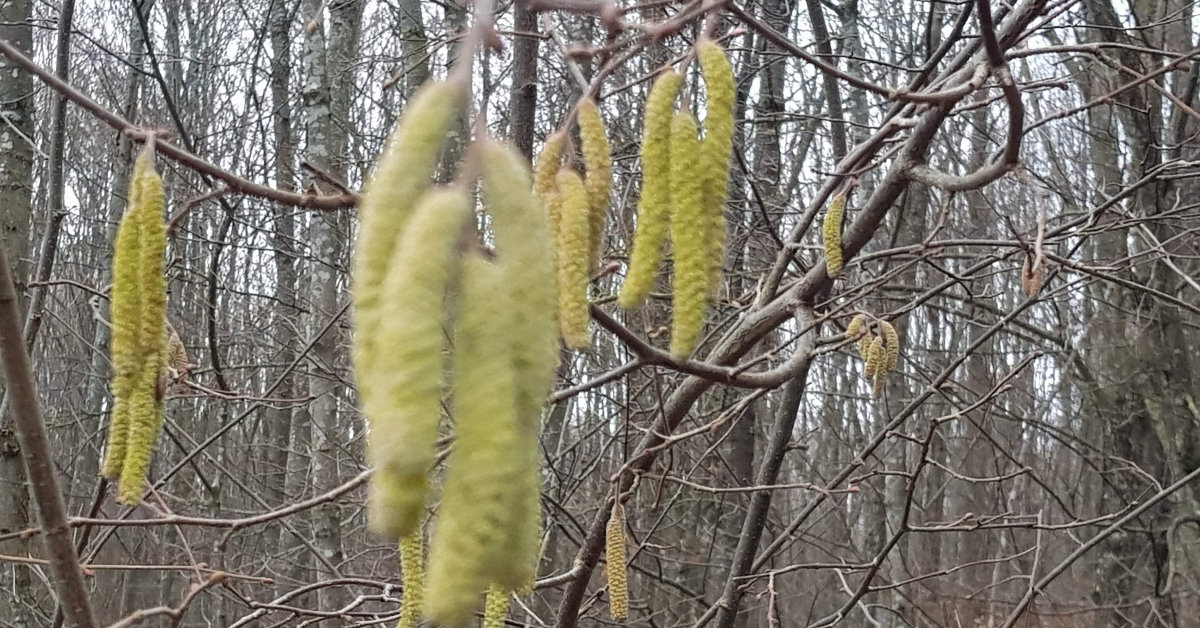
<point>614,558</point>
<point>495,608</point>
<point>892,341</point>
<point>717,147</point>
<point>139,311</point>
<point>654,208</point>
<point>598,181</point>
<point>857,326</point>
<point>524,251</point>
<point>689,236</point>
<point>467,552</point>
<point>412,573</point>
<point>831,235</point>
<point>403,172</point>
<point>573,243</point>
<point>544,172</point>
<point>401,392</point>
<point>876,357</point>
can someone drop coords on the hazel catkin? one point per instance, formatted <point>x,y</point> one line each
<point>876,357</point>
<point>495,608</point>
<point>717,147</point>
<point>892,346</point>
<point>598,180</point>
<point>689,236</point>
<point>654,207</point>
<point>831,235</point>
<point>467,551</point>
<point>404,170</point>
<point>544,173</point>
<point>412,574</point>
<point>401,393</point>
<point>615,568</point>
<point>573,243</point>
<point>856,326</point>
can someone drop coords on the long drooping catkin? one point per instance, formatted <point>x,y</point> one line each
<point>482,475</point>
<point>831,235</point>
<point>857,326</point>
<point>495,607</point>
<point>401,392</point>
<point>523,247</point>
<point>892,340</point>
<point>403,172</point>
<point>144,404</point>
<point>544,173</point>
<point>614,558</point>
<point>573,243</point>
<point>124,308</point>
<point>876,357</point>
<point>654,208</point>
<point>598,181</point>
<point>717,147</point>
<point>412,573</point>
<point>689,235</point>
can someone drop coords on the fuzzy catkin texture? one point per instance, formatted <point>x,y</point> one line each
<point>495,608</point>
<point>864,345</point>
<point>597,158</point>
<point>573,242</point>
<point>544,173</point>
<point>401,394</point>
<point>654,207</point>
<point>403,172</point>
<point>831,235</point>
<point>467,550</point>
<point>892,340</point>
<point>876,357</point>
<point>689,235</point>
<point>614,557</point>
<point>412,579</point>
<point>124,312</point>
<point>717,148</point>
<point>857,326</point>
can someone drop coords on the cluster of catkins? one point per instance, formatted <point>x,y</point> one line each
<point>437,319</point>
<point>684,181</point>
<point>879,346</point>
<point>144,347</point>
<point>577,207</point>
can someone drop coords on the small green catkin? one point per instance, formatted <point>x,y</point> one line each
<point>615,568</point>
<point>573,243</point>
<point>482,475</point>
<point>401,393</point>
<point>495,607</point>
<point>412,574</point>
<point>405,169</point>
<point>654,207</point>
<point>689,236</point>
<point>544,172</point>
<point>717,147</point>
<point>597,159</point>
<point>831,235</point>
<point>145,409</point>
<point>892,340</point>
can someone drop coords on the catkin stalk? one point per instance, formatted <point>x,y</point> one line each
<point>654,207</point>
<point>831,235</point>
<point>401,393</point>
<point>615,568</point>
<point>403,172</point>
<point>689,234</point>
<point>717,147</point>
<point>573,243</point>
<point>598,161</point>
<point>482,475</point>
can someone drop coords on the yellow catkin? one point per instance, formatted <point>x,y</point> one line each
<point>831,235</point>
<point>876,357</point>
<point>864,345</point>
<point>404,170</point>
<point>482,475</point>
<point>654,207</point>
<point>614,556</point>
<point>124,312</point>
<point>689,236</point>
<point>892,341</point>
<point>495,608</point>
<point>544,172</point>
<point>145,410</point>
<point>857,326</point>
<point>573,242</point>
<point>412,574</point>
<point>877,388</point>
<point>401,393</point>
<point>717,148</point>
<point>597,158</point>
<point>523,248</point>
